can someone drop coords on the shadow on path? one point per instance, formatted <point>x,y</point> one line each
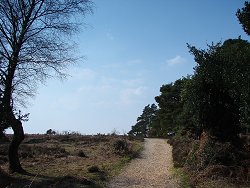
<point>29,180</point>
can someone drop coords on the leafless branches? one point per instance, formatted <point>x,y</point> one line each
<point>33,43</point>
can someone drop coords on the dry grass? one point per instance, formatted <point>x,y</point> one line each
<point>211,164</point>
<point>64,160</point>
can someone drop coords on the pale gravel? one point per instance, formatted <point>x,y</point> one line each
<point>151,170</point>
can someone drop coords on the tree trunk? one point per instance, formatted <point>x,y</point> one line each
<point>18,137</point>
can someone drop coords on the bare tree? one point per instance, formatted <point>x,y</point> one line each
<point>34,45</point>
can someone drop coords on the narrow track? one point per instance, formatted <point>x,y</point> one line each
<point>150,170</point>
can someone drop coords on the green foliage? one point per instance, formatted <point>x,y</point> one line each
<point>212,153</point>
<point>121,146</point>
<point>144,121</point>
<point>218,94</point>
<point>244,17</point>
<point>218,153</point>
<point>182,176</point>
<point>191,160</point>
<point>181,149</point>
<point>169,107</point>
<point>172,115</point>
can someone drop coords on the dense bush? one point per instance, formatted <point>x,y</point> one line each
<point>181,148</point>
<point>212,153</point>
<point>209,159</point>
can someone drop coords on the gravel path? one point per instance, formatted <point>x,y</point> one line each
<point>150,170</point>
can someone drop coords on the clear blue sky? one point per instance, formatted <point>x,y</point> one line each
<point>131,48</point>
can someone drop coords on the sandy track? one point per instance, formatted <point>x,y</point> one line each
<point>151,169</point>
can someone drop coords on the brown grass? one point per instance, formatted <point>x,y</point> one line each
<point>64,160</point>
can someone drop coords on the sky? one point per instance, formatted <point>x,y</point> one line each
<point>130,48</point>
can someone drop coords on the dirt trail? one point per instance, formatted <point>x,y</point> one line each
<point>150,170</point>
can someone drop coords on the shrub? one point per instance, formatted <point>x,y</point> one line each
<point>121,146</point>
<point>50,132</point>
<point>81,154</point>
<point>213,153</point>
<point>93,169</point>
<point>214,160</point>
<point>181,148</point>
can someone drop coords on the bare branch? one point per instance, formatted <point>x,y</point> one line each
<point>33,46</point>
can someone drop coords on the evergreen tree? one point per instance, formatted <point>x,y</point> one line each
<point>144,121</point>
<point>244,17</point>
<point>170,113</point>
<point>218,94</point>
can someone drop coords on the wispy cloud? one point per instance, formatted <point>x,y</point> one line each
<point>82,74</point>
<point>100,87</point>
<point>133,82</point>
<point>130,95</point>
<point>176,60</point>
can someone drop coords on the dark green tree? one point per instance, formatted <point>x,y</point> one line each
<point>170,113</point>
<point>188,117</point>
<point>244,17</point>
<point>218,94</point>
<point>155,129</point>
<point>144,121</point>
